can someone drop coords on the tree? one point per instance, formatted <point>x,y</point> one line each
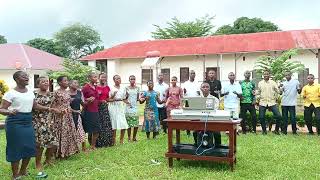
<point>3,88</point>
<point>278,65</point>
<point>244,25</point>
<point>178,29</point>
<point>50,46</point>
<point>74,70</point>
<point>3,40</point>
<point>80,40</point>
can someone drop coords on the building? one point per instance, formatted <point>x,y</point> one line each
<point>15,57</point>
<point>224,53</point>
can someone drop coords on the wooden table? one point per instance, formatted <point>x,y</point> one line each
<point>197,125</point>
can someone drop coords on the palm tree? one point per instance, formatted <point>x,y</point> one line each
<point>278,65</point>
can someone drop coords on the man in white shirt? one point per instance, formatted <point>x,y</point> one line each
<point>232,93</point>
<point>161,87</point>
<point>289,90</point>
<point>191,88</point>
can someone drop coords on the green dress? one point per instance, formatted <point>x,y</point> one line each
<point>132,109</point>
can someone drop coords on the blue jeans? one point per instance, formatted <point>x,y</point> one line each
<point>292,111</point>
<point>276,115</point>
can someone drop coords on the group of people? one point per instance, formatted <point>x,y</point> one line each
<point>60,121</point>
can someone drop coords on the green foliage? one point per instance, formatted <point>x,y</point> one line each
<point>278,65</point>
<point>80,40</point>
<point>50,46</point>
<point>178,29</point>
<point>244,25</point>
<point>74,70</point>
<point>3,40</point>
<point>258,157</point>
<point>3,88</point>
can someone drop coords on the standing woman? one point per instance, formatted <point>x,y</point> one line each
<point>151,116</point>
<point>174,95</point>
<point>106,133</point>
<point>91,110</point>
<point>67,135</point>
<point>17,105</point>
<point>44,126</point>
<point>132,108</point>
<point>117,108</point>
<point>76,102</point>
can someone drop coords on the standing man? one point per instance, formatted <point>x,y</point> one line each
<point>267,94</point>
<point>232,93</point>
<point>248,102</point>
<point>191,88</point>
<point>289,90</point>
<point>215,85</point>
<point>311,97</point>
<point>215,88</point>
<point>161,87</point>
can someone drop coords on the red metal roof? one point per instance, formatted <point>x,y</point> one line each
<point>222,44</point>
<point>11,54</point>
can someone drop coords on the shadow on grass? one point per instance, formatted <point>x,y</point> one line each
<point>201,165</point>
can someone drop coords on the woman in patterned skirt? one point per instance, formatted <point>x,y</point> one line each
<point>132,108</point>
<point>117,108</point>
<point>44,127</point>
<point>151,115</point>
<point>68,138</point>
<point>106,133</point>
<point>76,102</point>
<point>174,95</point>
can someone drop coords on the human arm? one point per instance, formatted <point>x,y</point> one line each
<point>4,108</point>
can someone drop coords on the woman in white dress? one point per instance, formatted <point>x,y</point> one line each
<point>117,107</point>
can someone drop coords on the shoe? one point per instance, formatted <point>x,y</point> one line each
<point>41,175</point>
<point>285,133</point>
<point>295,133</point>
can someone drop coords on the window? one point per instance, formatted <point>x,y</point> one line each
<point>166,75</point>
<point>302,76</point>
<point>216,69</point>
<point>102,66</point>
<point>184,74</point>
<point>35,77</point>
<point>147,74</point>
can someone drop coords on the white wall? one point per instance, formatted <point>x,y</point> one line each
<point>127,67</point>
<point>6,75</point>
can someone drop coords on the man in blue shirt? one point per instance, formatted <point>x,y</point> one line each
<point>232,93</point>
<point>289,90</point>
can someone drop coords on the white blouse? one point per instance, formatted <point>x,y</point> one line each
<point>22,102</point>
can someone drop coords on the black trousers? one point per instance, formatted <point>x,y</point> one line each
<point>244,107</point>
<point>308,111</point>
<point>163,115</point>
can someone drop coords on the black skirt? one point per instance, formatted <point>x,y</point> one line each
<point>90,122</point>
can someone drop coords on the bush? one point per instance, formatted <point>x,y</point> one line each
<point>269,120</point>
<point>3,88</point>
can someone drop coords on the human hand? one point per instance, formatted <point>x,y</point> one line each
<point>12,112</point>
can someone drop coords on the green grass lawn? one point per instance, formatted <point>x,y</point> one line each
<point>259,157</point>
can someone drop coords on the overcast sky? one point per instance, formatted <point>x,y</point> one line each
<point>121,21</point>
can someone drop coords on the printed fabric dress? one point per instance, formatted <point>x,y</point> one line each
<point>151,115</point>
<point>117,109</point>
<point>132,109</point>
<point>106,133</point>
<point>67,135</point>
<point>174,95</point>
<point>44,126</point>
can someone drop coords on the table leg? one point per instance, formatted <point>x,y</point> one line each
<point>170,162</point>
<point>178,139</point>
<point>232,134</point>
<point>235,140</point>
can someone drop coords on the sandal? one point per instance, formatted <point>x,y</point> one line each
<point>41,175</point>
